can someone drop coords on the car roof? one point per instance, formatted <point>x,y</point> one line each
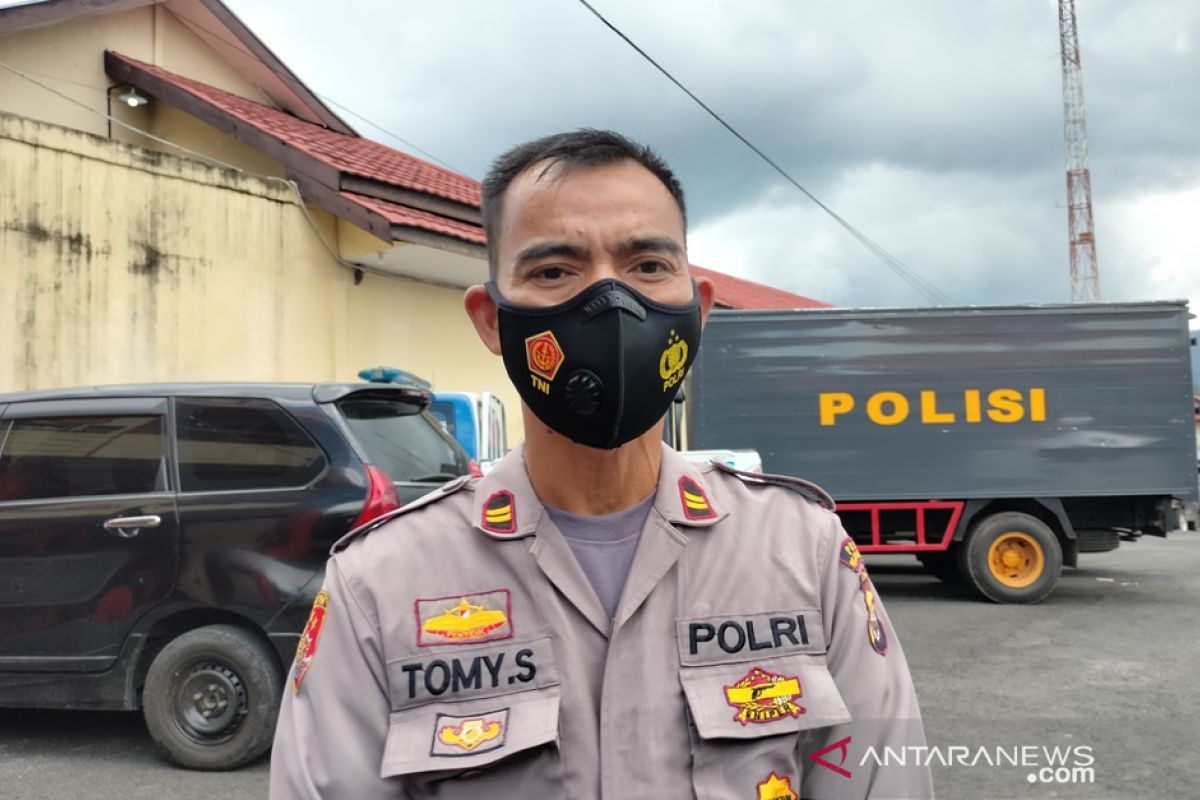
<point>321,392</point>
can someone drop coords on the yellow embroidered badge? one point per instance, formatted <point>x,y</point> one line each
<point>776,788</point>
<point>470,733</point>
<point>762,696</point>
<point>463,619</point>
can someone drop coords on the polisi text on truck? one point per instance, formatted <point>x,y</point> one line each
<point>970,406</point>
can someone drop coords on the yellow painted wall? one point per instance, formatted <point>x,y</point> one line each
<point>121,266</point>
<point>69,57</point>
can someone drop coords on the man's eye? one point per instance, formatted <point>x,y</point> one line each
<point>651,267</point>
<point>550,273</point>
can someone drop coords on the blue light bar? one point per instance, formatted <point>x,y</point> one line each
<point>393,375</point>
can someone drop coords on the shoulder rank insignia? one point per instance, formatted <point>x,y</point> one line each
<point>806,489</point>
<point>694,500</point>
<point>445,490</point>
<point>499,513</point>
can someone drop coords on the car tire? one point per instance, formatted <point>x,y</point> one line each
<point>1011,557</point>
<point>212,697</point>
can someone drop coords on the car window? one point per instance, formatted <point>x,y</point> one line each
<point>229,444</point>
<point>443,412</point>
<point>402,440</point>
<point>82,456</point>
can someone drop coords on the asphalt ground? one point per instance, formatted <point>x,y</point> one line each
<point>1107,666</point>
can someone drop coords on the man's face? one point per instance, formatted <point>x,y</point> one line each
<point>560,233</point>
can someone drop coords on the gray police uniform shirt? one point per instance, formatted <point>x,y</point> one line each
<point>458,651</point>
<point>604,545</point>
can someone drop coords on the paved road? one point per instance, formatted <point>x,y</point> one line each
<point>1109,662</point>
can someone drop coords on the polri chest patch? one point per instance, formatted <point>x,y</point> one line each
<point>307,648</point>
<point>464,618</point>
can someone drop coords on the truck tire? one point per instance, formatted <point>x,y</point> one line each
<point>211,698</point>
<point>1011,557</point>
<point>942,565</point>
<point>1098,540</point>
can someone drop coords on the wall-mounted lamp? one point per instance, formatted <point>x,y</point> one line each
<point>132,99</point>
<point>129,97</point>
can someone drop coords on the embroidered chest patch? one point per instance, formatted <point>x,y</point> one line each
<point>461,736</point>
<point>307,648</point>
<point>464,618</point>
<point>762,696</point>
<point>776,788</point>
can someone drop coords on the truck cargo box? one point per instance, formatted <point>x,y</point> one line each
<point>973,402</point>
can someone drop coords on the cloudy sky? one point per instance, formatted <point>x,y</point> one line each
<point>934,126</point>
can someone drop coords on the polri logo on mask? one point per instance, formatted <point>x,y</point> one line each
<point>673,363</point>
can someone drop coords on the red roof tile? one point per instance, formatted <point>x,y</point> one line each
<point>367,159</point>
<point>416,218</point>
<point>350,154</point>
<point>743,294</point>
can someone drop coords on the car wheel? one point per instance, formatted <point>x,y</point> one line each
<point>211,698</point>
<point>1011,558</point>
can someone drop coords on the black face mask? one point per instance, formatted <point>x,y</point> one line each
<point>602,367</point>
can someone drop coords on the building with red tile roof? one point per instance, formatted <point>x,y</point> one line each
<point>395,196</point>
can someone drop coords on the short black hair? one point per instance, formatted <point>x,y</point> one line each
<point>568,151</point>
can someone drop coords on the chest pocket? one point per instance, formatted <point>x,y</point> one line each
<point>752,712</point>
<point>472,732</point>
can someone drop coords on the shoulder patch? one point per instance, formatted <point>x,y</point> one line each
<point>437,494</point>
<point>806,489</point>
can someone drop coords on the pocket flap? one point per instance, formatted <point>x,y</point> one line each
<point>457,736</point>
<point>772,696</point>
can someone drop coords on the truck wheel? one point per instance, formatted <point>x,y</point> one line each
<point>1011,558</point>
<point>942,565</point>
<point>211,698</point>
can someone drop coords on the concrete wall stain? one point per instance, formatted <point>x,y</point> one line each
<point>76,244</point>
<point>149,263</point>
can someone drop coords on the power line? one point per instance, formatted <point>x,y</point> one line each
<point>398,138</point>
<point>910,276</point>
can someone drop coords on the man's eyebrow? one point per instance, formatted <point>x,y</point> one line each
<point>540,250</point>
<point>649,244</point>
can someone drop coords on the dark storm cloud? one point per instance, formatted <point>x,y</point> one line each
<point>935,125</point>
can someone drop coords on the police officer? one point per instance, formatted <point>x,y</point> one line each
<point>598,617</point>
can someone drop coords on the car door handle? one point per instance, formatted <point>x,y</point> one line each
<point>128,527</point>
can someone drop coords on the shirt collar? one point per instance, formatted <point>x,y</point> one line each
<point>506,507</point>
<point>684,496</point>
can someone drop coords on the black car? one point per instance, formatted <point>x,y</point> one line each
<point>161,545</point>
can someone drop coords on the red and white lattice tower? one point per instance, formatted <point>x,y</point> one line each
<point>1085,275</point>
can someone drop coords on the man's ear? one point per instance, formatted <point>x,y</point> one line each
<point>708,296</point>
<point>482,311</point>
